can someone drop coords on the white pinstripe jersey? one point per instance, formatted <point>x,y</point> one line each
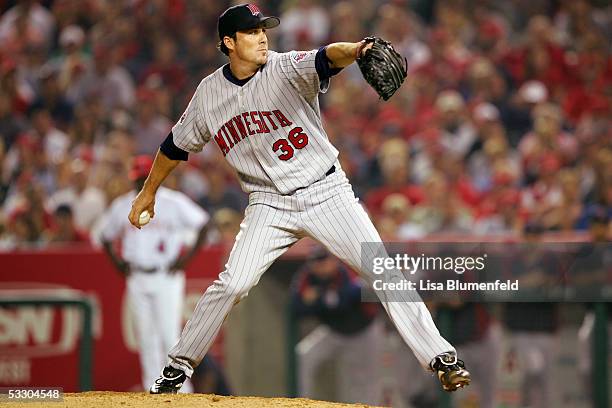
<point>268,129</point>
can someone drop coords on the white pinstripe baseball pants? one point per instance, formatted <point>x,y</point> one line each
<point>328,212</point>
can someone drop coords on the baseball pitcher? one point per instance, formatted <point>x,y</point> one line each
<point>261,110</point>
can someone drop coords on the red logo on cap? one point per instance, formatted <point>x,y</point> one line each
<point>253,9</point>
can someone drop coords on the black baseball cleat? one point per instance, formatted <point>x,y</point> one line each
<point>169,382</point>
<point>450,371</point>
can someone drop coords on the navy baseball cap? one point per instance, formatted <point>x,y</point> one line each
<point>243,17</point>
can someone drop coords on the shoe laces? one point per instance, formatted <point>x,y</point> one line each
<point>170,376</point>
<point>447,366</point>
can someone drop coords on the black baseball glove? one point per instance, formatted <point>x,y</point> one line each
<point>382,67</point>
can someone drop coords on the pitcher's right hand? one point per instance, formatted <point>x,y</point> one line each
<point>142,202</point>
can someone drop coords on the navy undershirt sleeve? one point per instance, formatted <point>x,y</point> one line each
<point>322,64</point>
<point>171,151</point>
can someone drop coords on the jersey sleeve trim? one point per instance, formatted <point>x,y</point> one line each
<point>323,65</point>
<point>172,151</point>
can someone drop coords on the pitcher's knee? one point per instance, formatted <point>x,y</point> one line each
<point>237,288</point>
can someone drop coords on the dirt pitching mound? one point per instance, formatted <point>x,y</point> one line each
<point>106,399</point>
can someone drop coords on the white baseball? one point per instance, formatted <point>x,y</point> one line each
<point>144,218</point>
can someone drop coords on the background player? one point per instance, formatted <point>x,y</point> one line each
<point>325,289</point>
<point>152,262</point>
<point>262,111</point>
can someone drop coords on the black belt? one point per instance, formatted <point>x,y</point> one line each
<point>145,270</point>
<point>330,171</point>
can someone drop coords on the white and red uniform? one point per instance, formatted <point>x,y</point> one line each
<point>156,295</point>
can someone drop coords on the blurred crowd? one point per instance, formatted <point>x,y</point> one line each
<point>504,119</point>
